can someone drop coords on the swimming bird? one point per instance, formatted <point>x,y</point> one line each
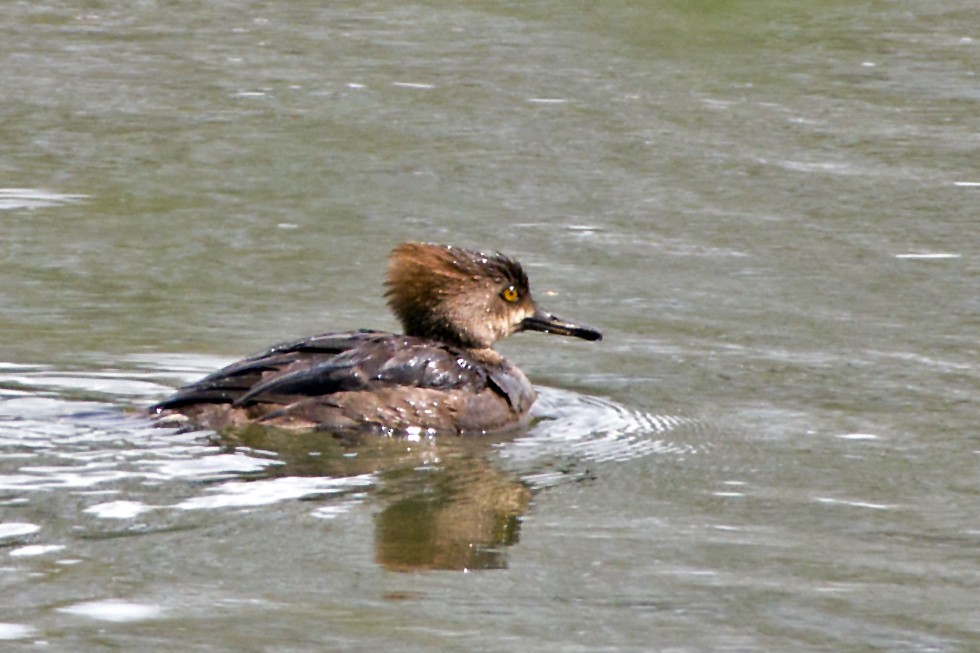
<point>441,375</point>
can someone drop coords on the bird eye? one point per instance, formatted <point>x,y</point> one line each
<point>509,294</point>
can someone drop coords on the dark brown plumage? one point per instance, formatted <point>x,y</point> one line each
<point>442,376</point>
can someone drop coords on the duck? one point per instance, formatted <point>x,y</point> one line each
<point>441,375</point>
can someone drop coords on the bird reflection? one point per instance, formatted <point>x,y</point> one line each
<point>445,504</point>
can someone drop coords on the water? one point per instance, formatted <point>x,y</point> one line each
<point>770,210</point>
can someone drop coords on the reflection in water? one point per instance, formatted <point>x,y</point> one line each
<point>445,502</point>
<point>446,506</point>
<point>458,517</point>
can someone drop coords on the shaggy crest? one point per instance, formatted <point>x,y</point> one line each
<point>453,294</point>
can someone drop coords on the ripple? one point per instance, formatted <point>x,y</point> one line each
<point>114,610</point>
<point>212,466</point>
<point>118,509</point>
<point>241,494</point>
<point>858,436</point>
<point>87,447</point>
<point>35,381</point>
<point>33,198</point>
<point>928,256</point>
<point>16,631</point>
<point>576,427</point>
<point>14,530</point>
<point>854,504</point>
<point>32,550</point>
<point>48,443</point>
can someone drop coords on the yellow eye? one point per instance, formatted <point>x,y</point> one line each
<point>509,294</point>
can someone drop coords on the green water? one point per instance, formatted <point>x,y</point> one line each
<point>770,209</point>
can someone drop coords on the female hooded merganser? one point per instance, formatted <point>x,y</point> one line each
<point>441,376</point>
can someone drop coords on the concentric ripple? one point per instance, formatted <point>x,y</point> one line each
<point>49,442</point>
<point>574,428</point>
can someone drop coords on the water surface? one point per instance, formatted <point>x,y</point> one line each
<point>771,211</point>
